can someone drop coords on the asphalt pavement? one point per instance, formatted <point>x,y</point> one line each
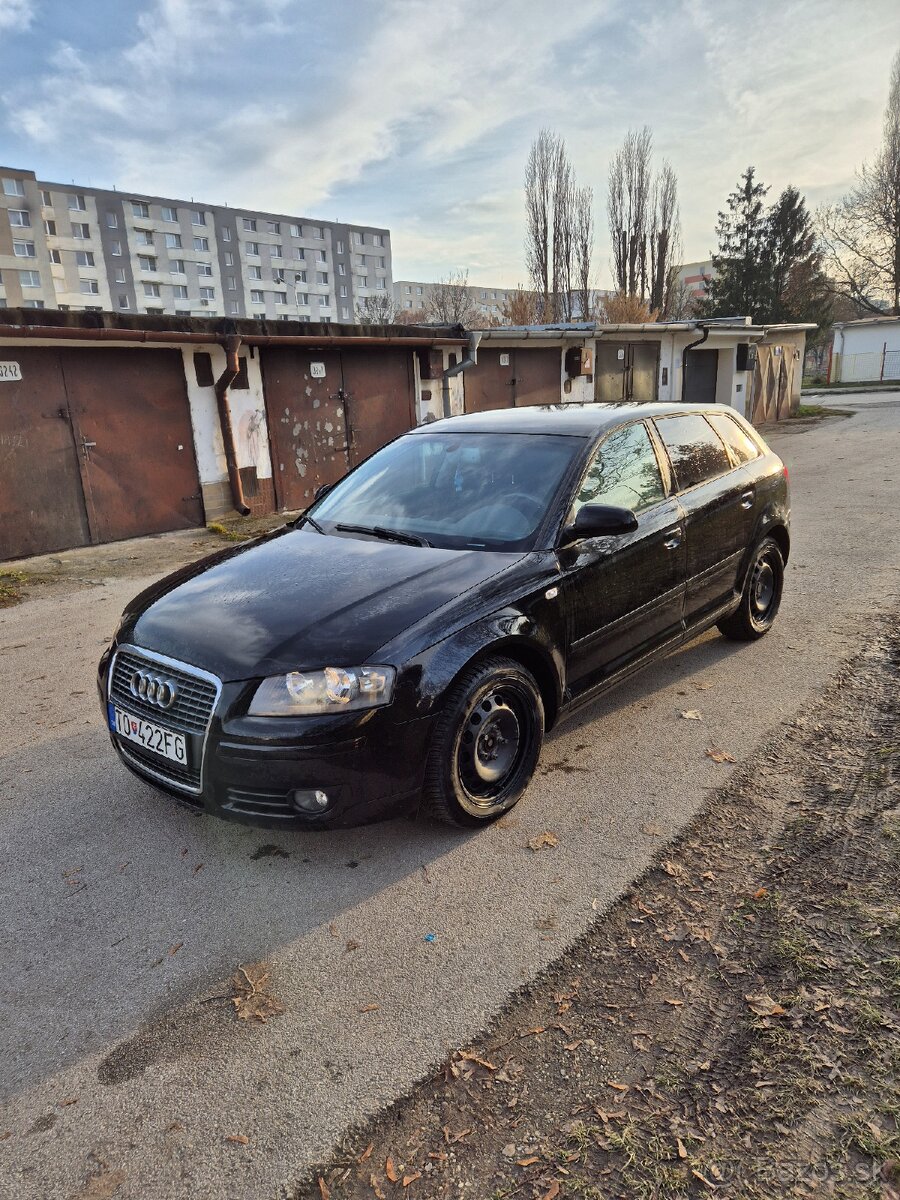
<point>123,1068</point>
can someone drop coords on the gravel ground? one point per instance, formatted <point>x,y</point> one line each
<point>127,917</point>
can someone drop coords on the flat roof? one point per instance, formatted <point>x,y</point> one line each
<point>574,420</point>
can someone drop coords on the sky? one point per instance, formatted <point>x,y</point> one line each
<point>418,116</point>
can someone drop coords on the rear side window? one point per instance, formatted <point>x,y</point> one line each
<point>742,447</point>
<point>695,450</point>
<point>623,472</point>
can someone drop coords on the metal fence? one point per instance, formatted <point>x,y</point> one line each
<point>872,366</point>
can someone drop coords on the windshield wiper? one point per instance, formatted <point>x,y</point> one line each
<point>306,519</point>
<point>387,535</point>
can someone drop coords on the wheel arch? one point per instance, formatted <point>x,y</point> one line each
<point>535,659</point>
<point>780,535</point>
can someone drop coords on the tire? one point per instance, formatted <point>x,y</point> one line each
<point>486,744</point>
<point>761,597</point>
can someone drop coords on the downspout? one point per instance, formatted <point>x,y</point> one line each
<point>690,346</point>
<point>470,360</point>
<point>223,383</point>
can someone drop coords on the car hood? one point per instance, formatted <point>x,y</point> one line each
<point>297,600</point>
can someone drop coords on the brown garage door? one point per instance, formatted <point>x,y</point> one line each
<point>489,384</point>
<point>102,448</point>
<point>315,398</point>
<point>536,374</point>
<point>513,378</point>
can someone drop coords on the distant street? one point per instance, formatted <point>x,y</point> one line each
<point>124,1070</point>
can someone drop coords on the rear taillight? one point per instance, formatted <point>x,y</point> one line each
<point>784,471</point>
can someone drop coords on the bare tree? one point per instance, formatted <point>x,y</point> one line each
<point>644,224</point>
<point>377,310</point>
<point>584,251</point>
<point>559,227</point>
<point>861,233</point>
<point>411,316</point>
<point>522,307</point>
<point>625,308</point>
<point>450,301</point>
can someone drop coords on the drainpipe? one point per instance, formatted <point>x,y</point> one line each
<point>223,383</point>
<point>469,361</point>
<point>690,346</point>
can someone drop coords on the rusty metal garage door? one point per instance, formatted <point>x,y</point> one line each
<point>489,384</point>
<point>102,449</point>
<point>513,378</point>
<point>536,376</point>
<point>329,409</point>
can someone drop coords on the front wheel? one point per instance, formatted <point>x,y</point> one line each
<point>486,744</point>
<point>761,597</point>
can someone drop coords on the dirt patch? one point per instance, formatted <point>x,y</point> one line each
<point>729,1027</point>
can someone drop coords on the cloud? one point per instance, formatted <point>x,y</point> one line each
<point>16,15</point>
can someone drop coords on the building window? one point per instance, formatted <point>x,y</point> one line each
<point>50,228</point>
<point>56,258</point>
<point>119,275</point>
<point>23,249</point>
<point>198,216</point>
<point>275,251</point>
<point>46,199</point>
<point>112,221</point>
<point>318,232</point>
<point>299,252</point>
<point>207,293</point>
<point>257,297</point>
<point>253,248</point>
<point>295,231</point>
<point>379,285</point>
<point>89,287</point>
<point>229,259</point>
<point>226,234</point>
<point>84,258</point>
<point>358,238</point>
<point>201,243</point>
<point>81,231</point>
<point>321,276</point>
<point>204,269</point>
<point>20,218</point>
<point>249,224</point>
<point>342,290</point>
<point>144,237</point>
<point>339,247</point>
<point>176,266</point>
<point>409,304</point>
<point>418,291</point>
<point>232,283</point>
<point>324,302</point>
<point>321,256</point>
<point>151,289</point>
<point>377,239</point>
<point>255,272</point>
<point>138,209</point>
<point>300,277</point>
<point>147,262</point>
<point>408,291</point>
<point>124,302</point>
<point>180,291</point>
<point>169,214</point>
<point>33,304</point>
<point>234,307</point>
<point>273,227</point>
<point>278,275</point>
<point>173,241</point>
<point>362,281</point>
<point>76,202</point>
<point>345,314</point>
<point>382,262</point>
<point>280,297</point>
<point>302,299</point>
<point>13,187</point>
<point>115,248</point>
<point>29,279</point>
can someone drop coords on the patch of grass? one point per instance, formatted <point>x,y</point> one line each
<point>810,410</point>
<point>230,535</point>
<point>794,950</point>
<point>10,584</point>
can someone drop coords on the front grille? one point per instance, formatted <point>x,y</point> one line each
<point>260,804</point>
<point>190,714</point>
<point>193,703</point>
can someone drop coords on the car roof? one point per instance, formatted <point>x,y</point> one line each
<point>575,420</point>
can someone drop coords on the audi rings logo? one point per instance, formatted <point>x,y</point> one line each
<point>153,689</point>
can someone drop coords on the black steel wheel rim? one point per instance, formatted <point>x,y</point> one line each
<point>497,732</point>
<point>764,589</point>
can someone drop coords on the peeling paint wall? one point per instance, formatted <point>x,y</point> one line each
<point>248,418</point>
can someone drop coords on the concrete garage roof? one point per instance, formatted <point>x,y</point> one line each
<point>732,326</point>
<point>51,323</point>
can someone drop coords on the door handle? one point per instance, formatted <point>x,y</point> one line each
<point>747,498</point>
<point>673,542</point>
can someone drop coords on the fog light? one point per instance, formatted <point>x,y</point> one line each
<point>310,802</point>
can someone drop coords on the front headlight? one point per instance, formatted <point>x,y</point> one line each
<point>335,689</point>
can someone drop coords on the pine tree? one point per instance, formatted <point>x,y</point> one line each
<point>798,289</point>
<point>741,282</point>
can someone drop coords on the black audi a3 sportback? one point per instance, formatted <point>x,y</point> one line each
<point>409,640</point>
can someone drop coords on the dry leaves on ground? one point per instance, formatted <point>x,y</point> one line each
<point>720,756</point>
<point>545,840</point>
<point>252,997</point>
<point>391,1171</point>
<point>691,714</point>
<point>238,1139</point>
<point>764,1006</point>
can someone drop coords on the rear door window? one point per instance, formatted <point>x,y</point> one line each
<point>695,450</point>
<point>623,472</point>
<point>742,446</point>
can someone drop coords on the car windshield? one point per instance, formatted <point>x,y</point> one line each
<point>481,491</point>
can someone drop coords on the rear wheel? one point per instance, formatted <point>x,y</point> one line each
<point>486,744</point>
<point>761,597</point>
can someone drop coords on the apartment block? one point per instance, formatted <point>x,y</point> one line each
<point>91,249</point>
<point>413,294</point>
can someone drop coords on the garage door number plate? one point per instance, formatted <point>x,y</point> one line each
<point>10,372</point>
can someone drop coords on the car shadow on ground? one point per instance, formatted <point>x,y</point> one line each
<point>106,880</point>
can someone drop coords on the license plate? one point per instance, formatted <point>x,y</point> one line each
<point>149,735</point>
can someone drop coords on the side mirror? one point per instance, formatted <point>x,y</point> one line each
<point>322,490</point>
<point>599,520</point>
